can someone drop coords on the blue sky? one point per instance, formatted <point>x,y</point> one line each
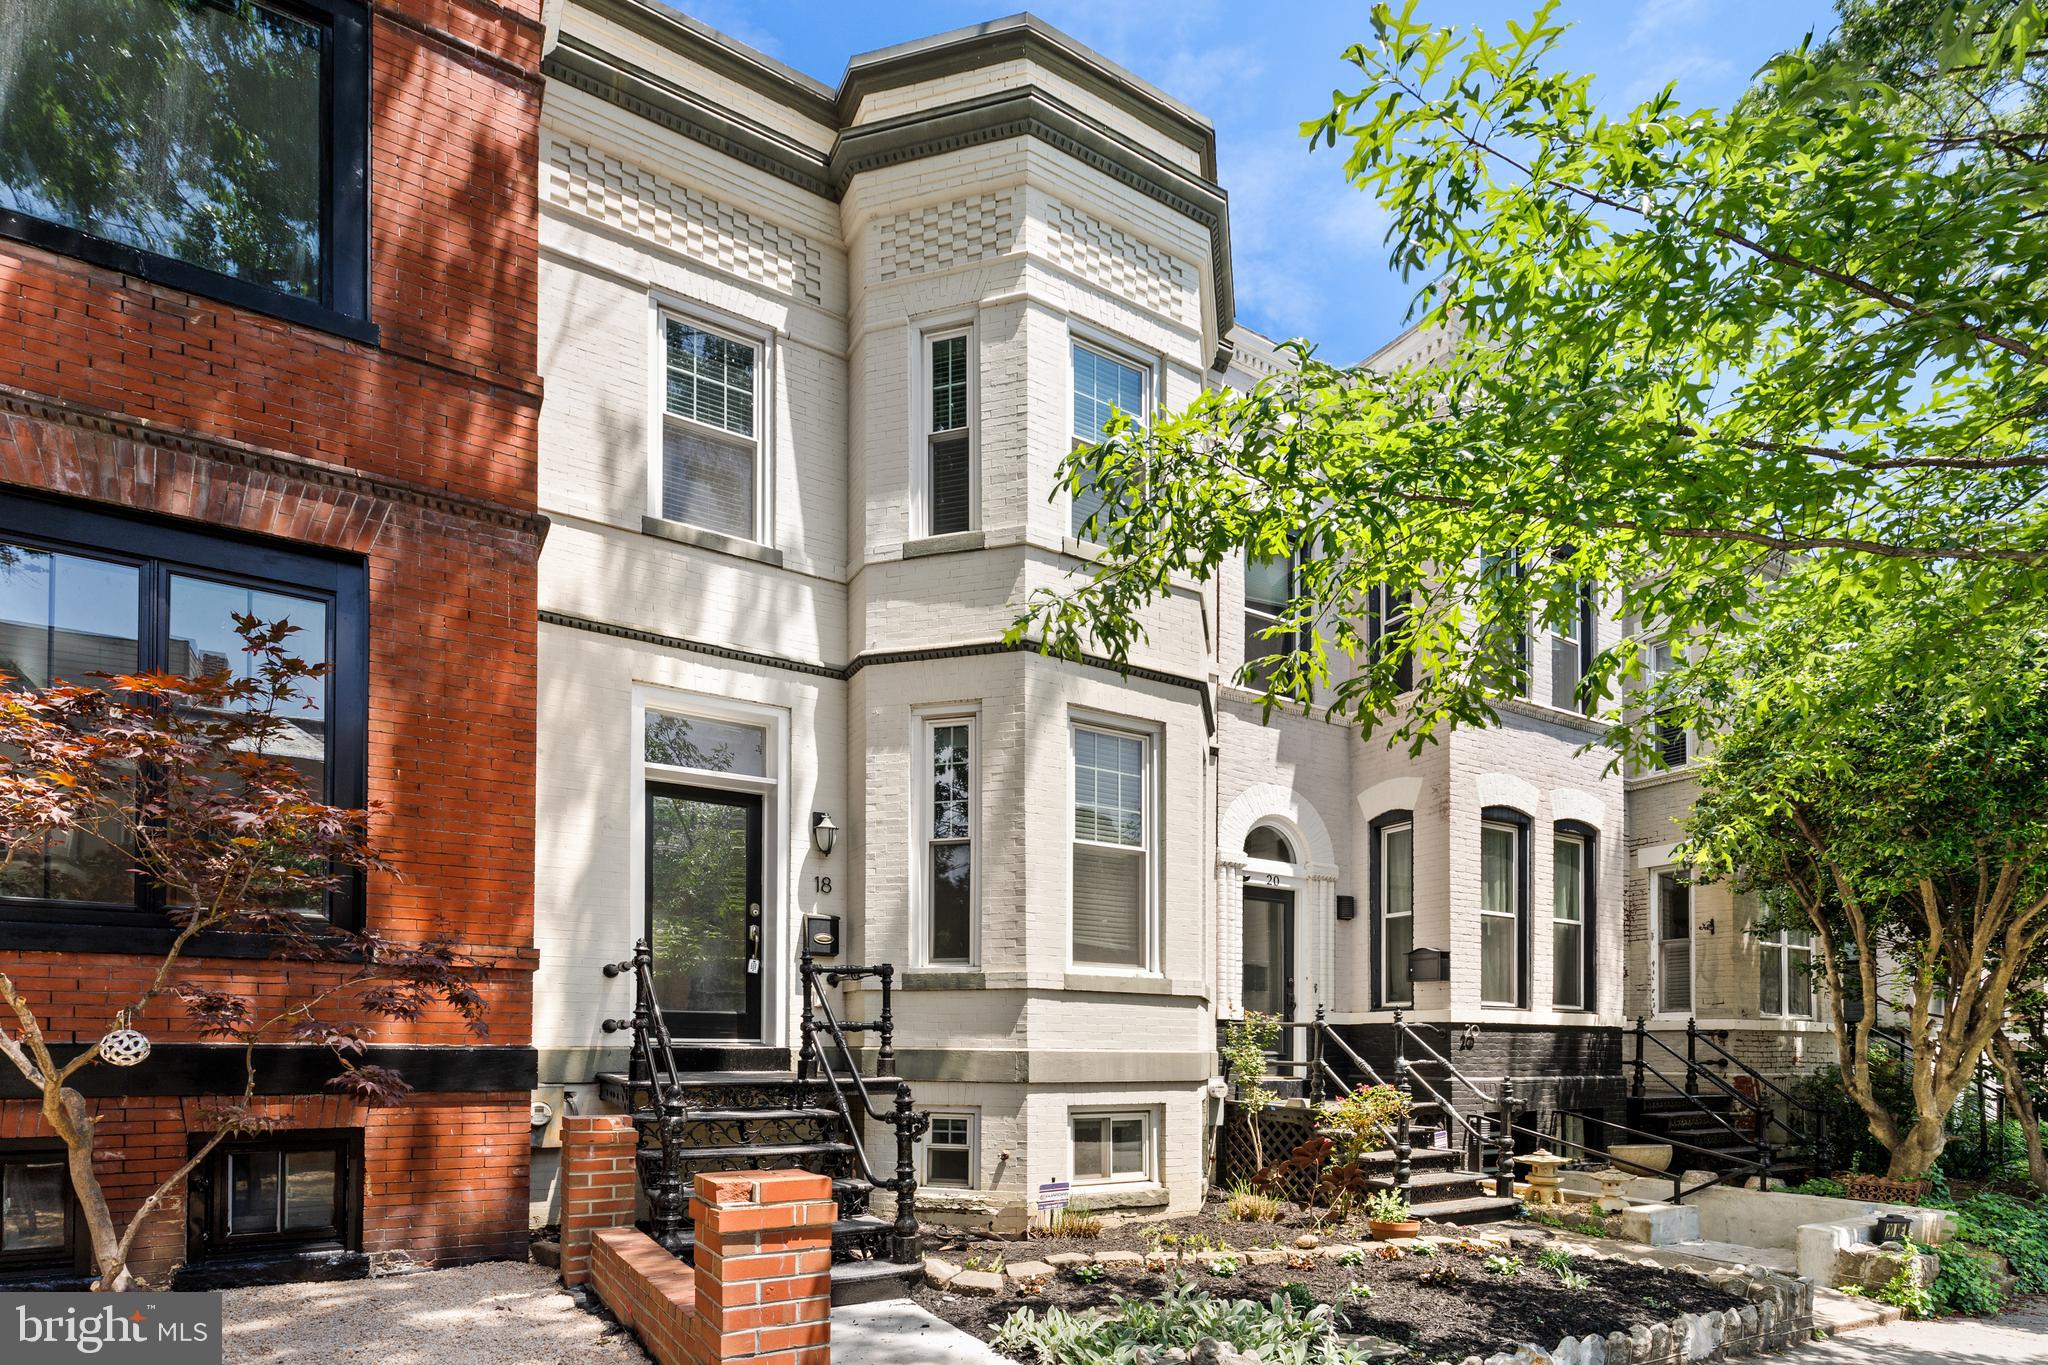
<point>1308,251</point>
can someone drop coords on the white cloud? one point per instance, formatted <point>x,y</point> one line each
<point>1654,18</point>
<point>1306,244</point>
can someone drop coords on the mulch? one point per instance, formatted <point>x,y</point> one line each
<point>1477,1313</point>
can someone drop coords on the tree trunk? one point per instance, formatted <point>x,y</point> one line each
<point>1914,1156</point>
<point>76,1126</point>
<point>2020,1104</point>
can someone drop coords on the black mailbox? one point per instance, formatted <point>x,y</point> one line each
<point>1429,964</point>
<point>821,935</point>
<point>1347,907</point>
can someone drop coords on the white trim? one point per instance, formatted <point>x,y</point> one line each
<point>1146,1115</point>
<point>926,722</point>
<point>924,1146</point>
<point>776,934</point>
<point>1651,856</point>
<point>664,307</point>
<point>1658,1010</point>
<point>923,337</point>
<point>1148,787</point>
<point>1780,941</point>
<point>1123,352</point>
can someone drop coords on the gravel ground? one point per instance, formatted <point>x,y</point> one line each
<point>495,1311</point>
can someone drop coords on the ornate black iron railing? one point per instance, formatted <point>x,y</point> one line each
<point>815,1060</point>
<point>652,1066</point>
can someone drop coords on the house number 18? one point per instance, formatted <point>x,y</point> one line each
<point>822,885</point>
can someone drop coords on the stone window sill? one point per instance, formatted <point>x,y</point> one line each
<point>684,534</point>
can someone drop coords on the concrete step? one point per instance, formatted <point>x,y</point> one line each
<point>1468,1211</point>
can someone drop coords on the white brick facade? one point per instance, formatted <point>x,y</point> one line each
<point>718,194</point>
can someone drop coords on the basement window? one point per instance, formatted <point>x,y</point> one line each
<point>289,1193</point>
<point>37,1228</point>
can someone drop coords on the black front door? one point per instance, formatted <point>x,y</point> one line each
<point>1269,956</point>
<point>704,909</point>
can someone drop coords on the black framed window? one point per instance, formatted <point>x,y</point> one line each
<point>219,146</point>
<point>84,592</point>
<point>1388,609</point>
<point>1574,916</point>
<point>949,436</point>
<point>1268,588</point>
<point>1504,907</point>
<point>284,1193</point>
<point>39,1229</point>
<point>1393,907</point>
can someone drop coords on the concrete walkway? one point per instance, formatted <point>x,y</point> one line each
<point>2009,1339</point>
<point>898,1332</point>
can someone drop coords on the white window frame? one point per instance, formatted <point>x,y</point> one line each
<point>1396,988</point>
<point>664,310</point>
<point>1268,619</point>
<point>924,1149</point>
<point>1661,1009</point>
<point>1781,944</point>
<point>1148,1118</point>
<point>1148,825</point>
<point>1513,916</point>
<point>928,724</point>
<point>1109,348</point>
<point>921,437</point>
<point>1584,921</point>
<point>776,949</point>
<point>1581,639</point>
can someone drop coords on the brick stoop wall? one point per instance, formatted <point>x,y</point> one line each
<point>761,1289</point>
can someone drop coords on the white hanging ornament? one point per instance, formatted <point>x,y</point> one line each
<point>124,1047</point>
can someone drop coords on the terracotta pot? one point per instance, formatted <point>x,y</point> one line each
<point>1393,1232</point>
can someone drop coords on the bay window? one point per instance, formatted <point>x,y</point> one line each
<point>949,840</point>
<point>1102,384</point>
<point>948,491</point>
<point>1112,848</point>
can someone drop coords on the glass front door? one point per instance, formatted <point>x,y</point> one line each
<point>1269,955</point>
<point>704,909</point>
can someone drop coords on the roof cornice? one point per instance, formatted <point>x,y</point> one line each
<point>1023,111</point>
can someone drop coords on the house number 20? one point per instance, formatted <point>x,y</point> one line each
<point>822,885</point>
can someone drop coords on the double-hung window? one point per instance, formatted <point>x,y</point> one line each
<point>1102,384</point>
<point>1112,848</point>
<point>710,470</point>
<point>1571,650</point>
<point>1785,987</point>
<point>1506,646</point>
<point>1671,910</point>
<point>949,483</point>
<point>83,592</point>
<point>1674,742</point>
<point>1388,609</point>
<point>949,1152</point>
<point>1501,911</point>
<point>217,147</point>
<point>949,839</point>
<point>1112,1148</point>
<point>1268,588</point>
<point>1397,910</point>
<point>1570,915</point>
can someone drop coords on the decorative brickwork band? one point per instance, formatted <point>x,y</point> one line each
<point>762,1286</point>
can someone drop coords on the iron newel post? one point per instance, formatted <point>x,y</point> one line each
<point>1404,1149</point>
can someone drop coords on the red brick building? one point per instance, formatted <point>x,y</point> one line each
<point>267,341</point>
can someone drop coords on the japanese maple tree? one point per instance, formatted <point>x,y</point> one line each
<point>179,772</point>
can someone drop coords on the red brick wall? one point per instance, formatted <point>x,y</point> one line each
<point>418,453</point>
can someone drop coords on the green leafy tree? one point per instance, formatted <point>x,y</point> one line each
<point>1893,798</point>
<point>1685,347</point>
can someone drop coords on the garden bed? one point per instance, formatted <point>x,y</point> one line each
<point>1450,1305</point>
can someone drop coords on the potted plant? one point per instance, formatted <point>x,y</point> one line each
<point>1388,1215</point>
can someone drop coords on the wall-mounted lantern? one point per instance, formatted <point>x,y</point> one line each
<point>1429,964</point>
<point>1347,907</point>
<point>823,832</point>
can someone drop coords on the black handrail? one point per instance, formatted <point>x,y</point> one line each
<point>1815,1141</point>
<point>653,1064</point>
<point>1759,1140</point>
<point>910,1124</point>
